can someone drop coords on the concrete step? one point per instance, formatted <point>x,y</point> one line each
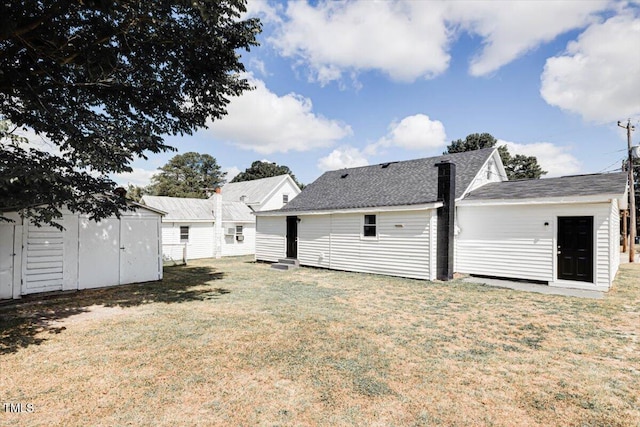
<point>286,265</point>
<point>290,261</point>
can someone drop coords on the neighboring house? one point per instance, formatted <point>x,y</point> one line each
<point>204,228</point>
<point>428,218</point>
<point>262,194</point>
<point>86,254</point>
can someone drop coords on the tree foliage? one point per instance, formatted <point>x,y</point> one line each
<point>517,167</point>
<point>260,169</point>
<point>104,81</point>
<point>187,175</point>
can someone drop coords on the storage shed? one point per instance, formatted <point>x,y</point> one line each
<point>86,254</point>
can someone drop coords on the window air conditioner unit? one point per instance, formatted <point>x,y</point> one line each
<point>240,238</point>
<point>230,231</point>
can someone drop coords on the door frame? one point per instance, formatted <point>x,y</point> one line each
<point>593,251</point>
<point>291,242</point>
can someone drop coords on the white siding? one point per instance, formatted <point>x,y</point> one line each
<point>270,238</point>
<point>314,241</point>
<point>232,247</point>
<point>512,241</point>
<point>402,247</point>
<point>274,201</point>
<point>44,252</point>
<point>614,232</point>
<point>200,244</point>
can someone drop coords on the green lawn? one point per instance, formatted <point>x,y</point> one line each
<point>231,342</point>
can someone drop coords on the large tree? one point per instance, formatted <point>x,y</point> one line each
<point>187,175</point>
<point>104,81</point>
<point>260,169</point>
<point>517,167</point>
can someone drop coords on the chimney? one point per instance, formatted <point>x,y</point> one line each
<point>446,219</point>
<point>218,190</point>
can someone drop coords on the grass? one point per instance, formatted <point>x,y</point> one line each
<point>230,342</point>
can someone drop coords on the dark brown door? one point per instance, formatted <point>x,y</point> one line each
<point>292,237</point>
<point>575,248</point>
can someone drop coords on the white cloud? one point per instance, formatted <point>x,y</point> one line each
<point>417,132</point>
<point>554,159</point>
<point>139,176</point>
<point>258,65</point>
<point>342,157</point>
<point>510,29</point>
<point>597,77</point>
<point>262,121</point>
<point>405,40</point>
<point>408,39</point>
<point>232,172</point>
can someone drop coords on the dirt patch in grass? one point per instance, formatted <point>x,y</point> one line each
<point>231,342</point>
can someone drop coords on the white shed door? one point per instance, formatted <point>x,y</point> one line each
<point>43,271</point>
<point>6,261</point>
<point>138,250</point>
<point>99,253</point>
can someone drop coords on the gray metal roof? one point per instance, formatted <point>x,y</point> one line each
<point>190,209</point>
<point>237,211</point>
<point>567,186</point>
<point>181,208</point>
<point>255,191</point>
<point>408,182</point>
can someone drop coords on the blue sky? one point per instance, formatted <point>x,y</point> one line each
<point>341,84</point>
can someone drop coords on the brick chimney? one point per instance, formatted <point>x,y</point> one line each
<point>446,219</point>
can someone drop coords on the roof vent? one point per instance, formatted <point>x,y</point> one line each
<point>386,165</point>
<point>344,175</point>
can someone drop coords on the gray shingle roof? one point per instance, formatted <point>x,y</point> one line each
<point>408,182</point>
<point>237,211</point>
<point>568,186</point>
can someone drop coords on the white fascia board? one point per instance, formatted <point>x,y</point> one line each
<point>422,207</point>
<point>602,198</point>
<point>182,220</point>
<point>238,221</point>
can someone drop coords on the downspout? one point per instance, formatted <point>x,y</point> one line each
<point>446,220</point>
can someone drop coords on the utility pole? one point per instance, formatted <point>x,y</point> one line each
<point>632,195</point>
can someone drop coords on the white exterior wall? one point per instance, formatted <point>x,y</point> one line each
<point>614,232</point>
<point>47,259</point>
<point>233,247</point>
<point>513,242</point>
<point>270,238</point>
<point>403,246</point>
<point>200,244</point>
<point>274,201</point>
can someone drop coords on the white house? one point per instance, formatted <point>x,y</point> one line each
<point>429,218</point>
<point>262,194</point>
<point>86,254</point>
<point>204,228</point>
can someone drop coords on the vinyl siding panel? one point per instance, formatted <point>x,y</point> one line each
<point>314,240</point>
<point>232,247</point>
<point>614,239</point>
<point>270,238</point>
<point>200,244</point>
<point>402,247</point>
<point>513,242</point>
<point>275,200</point>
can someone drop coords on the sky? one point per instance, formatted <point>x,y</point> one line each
<point>351,83</point>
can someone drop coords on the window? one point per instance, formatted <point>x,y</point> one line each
<point>285,198</point>
<point>238,229</point>
<point>239,236</point>
<point>184,233</point>
<point>370,226</point>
